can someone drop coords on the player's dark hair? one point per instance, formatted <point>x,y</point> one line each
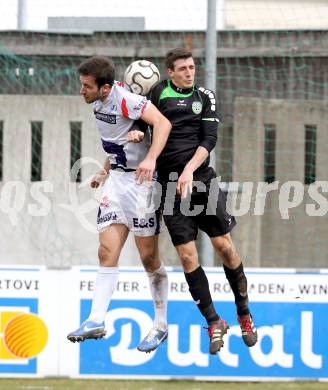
<point>101,68</point>
<point>176,54</point>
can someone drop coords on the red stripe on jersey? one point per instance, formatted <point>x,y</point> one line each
<point>124,108</point>
<point>143,107</point>
<point>120,83</point>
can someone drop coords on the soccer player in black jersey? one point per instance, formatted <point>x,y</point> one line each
<point>192,110</point>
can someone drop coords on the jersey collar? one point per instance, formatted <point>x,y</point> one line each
<point>180,90</point>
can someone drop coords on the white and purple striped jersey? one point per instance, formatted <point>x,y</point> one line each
<point>114,119</point>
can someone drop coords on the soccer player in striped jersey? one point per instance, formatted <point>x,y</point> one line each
<point>126,203</point>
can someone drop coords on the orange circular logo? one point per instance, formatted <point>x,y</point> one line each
<point>25,335</point>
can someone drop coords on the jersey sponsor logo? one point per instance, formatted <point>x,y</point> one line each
<point>182,103</point>
<point>196,107</point>
<point>104,201</point>
<point>143,223</point>
<point>108,118</point>
<point>143,108</point>
<point>107,217</point>
<point>140,106</point>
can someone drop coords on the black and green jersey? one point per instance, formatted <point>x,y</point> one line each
<point>193,114</point>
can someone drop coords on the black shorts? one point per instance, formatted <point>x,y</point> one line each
<point>183,217</point>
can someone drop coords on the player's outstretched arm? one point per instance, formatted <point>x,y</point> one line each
<point>161,130</point>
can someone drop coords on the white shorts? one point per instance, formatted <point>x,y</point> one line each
<point>125,201</point>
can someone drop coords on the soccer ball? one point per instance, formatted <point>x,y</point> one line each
<point>141,76</point>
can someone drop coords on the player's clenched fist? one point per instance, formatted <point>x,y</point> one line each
<point>99,178</point>
<point>135,136</point>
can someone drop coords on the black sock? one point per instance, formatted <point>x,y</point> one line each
<point>238,283</point>
<point>200,291</point>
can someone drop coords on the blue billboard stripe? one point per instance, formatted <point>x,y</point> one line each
<point>31,303</point>
<point>21,269</point>
<point>29,368</point>
<point>293,340</point>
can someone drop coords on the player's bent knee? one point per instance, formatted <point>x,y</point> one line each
<point>187,264</point>
<point>225,249</point>
<point>150,261</point>
<point>188,261</point>
<point>188,257</point>
<point>107,255</point>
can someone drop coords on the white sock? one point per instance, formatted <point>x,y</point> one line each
<point>158,283</point>
<point>106,282</point>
